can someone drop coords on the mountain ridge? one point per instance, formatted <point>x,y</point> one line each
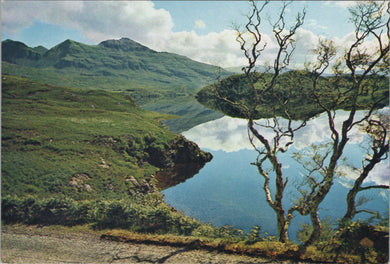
<point>72,50</point>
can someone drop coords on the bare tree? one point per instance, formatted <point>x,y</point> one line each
<point>368,21</point>
<point>367,18</point>
<point>259,85</point>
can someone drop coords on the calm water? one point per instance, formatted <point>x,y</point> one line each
<point>228,190</point>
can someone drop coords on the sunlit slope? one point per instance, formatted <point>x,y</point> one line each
<point>82,144</point>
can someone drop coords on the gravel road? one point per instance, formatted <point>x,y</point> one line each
<point>42,245</point>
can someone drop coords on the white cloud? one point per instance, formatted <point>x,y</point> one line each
<point>342,4</point>
<point>138,20</point>
<point>227,134</point>
<point>98,20</point>
<point>380,174</point>
<point>200,24</point>
<point>218,48</point>
<point>13,18</point>
<point>305,42</point>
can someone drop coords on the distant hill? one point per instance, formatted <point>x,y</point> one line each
<point>238,69</point>
<point>160,81</point>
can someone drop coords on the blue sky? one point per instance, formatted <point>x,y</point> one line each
<point>201,30</point>
<point>217,16</point>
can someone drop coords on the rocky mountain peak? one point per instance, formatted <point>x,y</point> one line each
<point>124,44</point>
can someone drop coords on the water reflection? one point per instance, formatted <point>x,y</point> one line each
<point>228,190</point>
<point>172,176</point>
<point>230,134</point>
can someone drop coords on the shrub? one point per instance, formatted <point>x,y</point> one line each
<point>148,213</point>
<point>116,214</point>
<point>10,210</point>
<point>229,233</point>
<point>53,211</point>
<point>254,236</point>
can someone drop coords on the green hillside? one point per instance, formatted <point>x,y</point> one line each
<point>293,87</point>
<point>158,81</point>
<point>84,144</point>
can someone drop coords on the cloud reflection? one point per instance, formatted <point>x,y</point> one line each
<point>227,134</point>
<point>230,134</point>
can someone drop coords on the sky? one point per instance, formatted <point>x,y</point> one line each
<point>201,30</point>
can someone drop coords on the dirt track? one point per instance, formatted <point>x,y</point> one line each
<point>42,245</point>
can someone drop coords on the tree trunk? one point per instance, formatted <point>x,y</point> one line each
<point>282,226</point>
<point>276,204</point>
<point>315,235</point>
<point>280,185</point>
<point>351,207</point>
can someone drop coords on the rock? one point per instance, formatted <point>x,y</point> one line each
<point>77,181</point>
<point>143,187</point>
<point>133,181</point>
<point>180,160</point>
<point>104,164</point>
<point>179,151</point>
<point>110,186</point>
<point>87,187</point>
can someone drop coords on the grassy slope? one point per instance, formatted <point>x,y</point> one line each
<point>51,134</point>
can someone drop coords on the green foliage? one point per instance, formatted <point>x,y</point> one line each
<point>149,219</point>
<point>327,231</point>
<point>73,157</point>
<point>115,214</point>
<point>254,236</point>
<point>51,211</point>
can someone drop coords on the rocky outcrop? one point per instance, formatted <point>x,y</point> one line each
<point>180,160</point>
<point>179,151</point>
<point>177,160</point>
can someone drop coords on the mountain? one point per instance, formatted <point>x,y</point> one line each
<point>19,53</point>
<point>159,81</point>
